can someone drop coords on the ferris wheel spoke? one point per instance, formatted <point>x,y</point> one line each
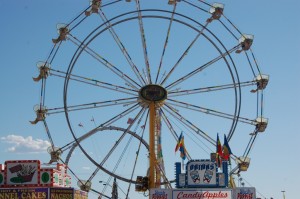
<point>210,111</point>
<point>166,42</point>
<point>201,68</point>
<point>178,92</point>
<point>172,130</point>
<point>250,64</point>
<point>100,194</point>
<point>250,143</point>
<point>52,54</point>
<point>94,82</point>
<point>48,133</point>
<point>93,105</point>
<point>130,139</point>
<point>142,31</point>
<point>169,125</point>
<point>104,62</point>
<point>185,53</point>
<point>175,135</point>
<point>141,113</point>
<point>120,115</point>
<point>172,111</point>
<point>42,94</point>
<point>122,47</point>
<point>137,154</point>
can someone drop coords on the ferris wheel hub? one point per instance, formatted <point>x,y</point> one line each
<point>153,93</point>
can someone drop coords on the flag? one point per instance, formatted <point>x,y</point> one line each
<point>219,153</point>
<point>80,124</point>
<point>226,149</point>
<point>182,149</point>
<point>180,145</point>
<point>178,142</point>
<point>130,121</point>
<point>219,146</point>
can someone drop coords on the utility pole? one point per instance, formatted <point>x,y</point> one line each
<point>283,193</point>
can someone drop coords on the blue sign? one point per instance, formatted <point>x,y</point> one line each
<point>201,174</point>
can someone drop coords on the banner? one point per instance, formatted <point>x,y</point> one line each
<point>26,193</point>
<point>202,194</point>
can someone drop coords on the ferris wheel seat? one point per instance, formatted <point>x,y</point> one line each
<point>262,81</point>
<point>84,185</point>
<point>246,42</point>
<point>142,184</point>
<point>216,10</point>
<point>172,2</point>
<point>40,113</point>
<point>261,124</point>
<point>243,163</point>
<point>62,30</point>
<point>55,153</point>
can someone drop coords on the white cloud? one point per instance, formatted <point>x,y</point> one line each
<point>86,168</point>
<point>20,144</point>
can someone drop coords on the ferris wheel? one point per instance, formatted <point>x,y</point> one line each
<point>125,79</point>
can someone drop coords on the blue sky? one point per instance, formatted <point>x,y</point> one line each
<point>28,27</point>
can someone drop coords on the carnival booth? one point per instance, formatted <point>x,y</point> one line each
<point>26,179</point>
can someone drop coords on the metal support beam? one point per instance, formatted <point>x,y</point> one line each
<point>151,145</point>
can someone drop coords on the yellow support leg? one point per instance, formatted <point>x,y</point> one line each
<point>151,145</point>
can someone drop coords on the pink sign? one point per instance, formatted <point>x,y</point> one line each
<point>202,194</point>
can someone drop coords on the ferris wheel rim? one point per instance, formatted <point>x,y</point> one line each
<point>96,130</point>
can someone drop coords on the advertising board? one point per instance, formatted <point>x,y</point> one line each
<point>23,172</point>
<point>201,173</point>
<point>80,194</point>
<point>59,193</point>
<point>244,193</point>
<point>160,194</point>
<point>202,194</point>
<point>42,193</point>
<point>26,193</point>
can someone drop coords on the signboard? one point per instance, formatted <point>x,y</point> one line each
<point>22,172</point>
<point>160,194</point>
<point>201,173</point>
<point>244,193</point>
<point>59,193</point>
<point>80,194</point>
<point>26,193</point>
<point>202,194</point>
